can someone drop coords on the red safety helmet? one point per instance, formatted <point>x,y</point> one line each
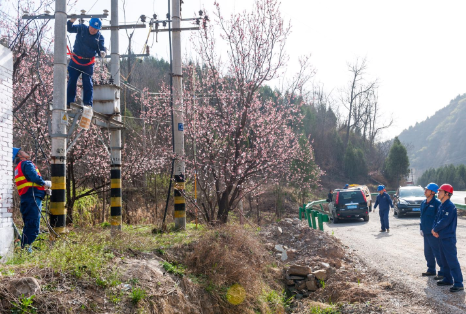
<point>447,188</point>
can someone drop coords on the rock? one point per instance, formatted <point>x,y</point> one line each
<point>288,220</point>
<point>26,286</point>
<point>311,277</point>
<point>299,270</point>
<point>301,285</point>
<point>291,253</point>
<point>280,248</point>
<point>280,230</point>
<point>298,296</point>
<point>289,282</point>
<point>325,265</point>
<point>320,274</point>
<point>294,277</point>
<point>311,285</point>
<point>296,221</point>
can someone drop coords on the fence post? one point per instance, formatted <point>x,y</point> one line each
<point>321,223</point>
<point>308,215</point>
<point>314,215</point>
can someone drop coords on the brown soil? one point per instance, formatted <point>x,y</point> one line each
<point>352,286</point>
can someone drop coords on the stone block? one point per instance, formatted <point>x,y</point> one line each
<point>299,270</point>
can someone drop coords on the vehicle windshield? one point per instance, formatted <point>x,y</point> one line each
<point>417,192</point>
<point>351,197</point>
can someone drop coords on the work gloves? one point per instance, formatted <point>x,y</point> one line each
<point>422,233</point>
<point>103,54</point>
<point>48,184</point>
<point>48,192</point>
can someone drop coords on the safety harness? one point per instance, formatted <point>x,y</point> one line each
<point>72,55</point>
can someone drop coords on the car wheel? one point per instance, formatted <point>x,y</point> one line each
<point>335,219</point>
<point>400,214</point>
<point>366,218</point>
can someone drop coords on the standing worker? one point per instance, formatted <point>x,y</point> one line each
<point>330,196</point>
<point>444,229</point>
<point>385,202</point>
<point>89,43</point>
<point>32,189</point>
<point>429,209</point>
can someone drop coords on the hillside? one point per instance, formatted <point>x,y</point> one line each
<point>439,139</point>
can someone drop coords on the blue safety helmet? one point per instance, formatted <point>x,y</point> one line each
<point>380,188</point>
<point>15,152</point>
<point>96,23</point>
<point>347,185</point>
<point>432,186</point>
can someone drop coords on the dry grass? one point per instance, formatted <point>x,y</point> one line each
<point>227,256</point>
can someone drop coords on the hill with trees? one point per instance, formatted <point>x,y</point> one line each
<point>436,141</point>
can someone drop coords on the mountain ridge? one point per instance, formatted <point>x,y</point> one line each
<point>439,140</point>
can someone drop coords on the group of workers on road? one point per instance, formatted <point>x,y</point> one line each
<point>438,228</point>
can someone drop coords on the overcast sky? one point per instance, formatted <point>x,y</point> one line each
<point>415,48</point>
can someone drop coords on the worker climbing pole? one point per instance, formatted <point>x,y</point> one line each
<point>58,160</point>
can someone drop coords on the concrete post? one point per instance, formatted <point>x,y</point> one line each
<point>178,122</point>
<point>115,135</point>
<point>58,162</point>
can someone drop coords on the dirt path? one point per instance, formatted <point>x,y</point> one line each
<point>400,255</point>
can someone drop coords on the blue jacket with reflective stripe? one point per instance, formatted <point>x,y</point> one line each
<point>384,201</point>
<point>446,220</point>
<point>428,213</point>
<point>85,45</point>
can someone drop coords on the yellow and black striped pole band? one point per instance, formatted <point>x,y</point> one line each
<point>180,203</point>
<point>115,197</point>
<point>58,198</point>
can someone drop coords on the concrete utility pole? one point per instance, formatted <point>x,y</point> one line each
<point>59,122</point>
<point>178,121</point>
<point>115,135</point>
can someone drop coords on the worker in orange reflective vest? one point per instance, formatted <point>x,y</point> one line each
<point>32,189</point>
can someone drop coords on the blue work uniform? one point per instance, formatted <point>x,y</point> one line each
<point>431,244</point>
<point>86,46</point>
<point>31,203</point>
<point>445,225</point>
<point>384,202</point>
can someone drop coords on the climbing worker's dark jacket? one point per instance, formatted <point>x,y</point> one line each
<point>86,45</point>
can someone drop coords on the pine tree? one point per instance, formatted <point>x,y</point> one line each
<point>397,162</point>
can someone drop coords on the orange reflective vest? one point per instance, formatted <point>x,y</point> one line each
<point>22,183</point>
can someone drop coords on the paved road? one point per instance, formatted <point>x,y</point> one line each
<point>400,254</point>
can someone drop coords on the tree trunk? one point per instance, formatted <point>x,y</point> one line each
<point>223,207</point>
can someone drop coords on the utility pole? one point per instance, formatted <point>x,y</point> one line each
<point>129,59</point>
<point>115,135</point>
<point>178,119</point>
<point>59,135</point>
